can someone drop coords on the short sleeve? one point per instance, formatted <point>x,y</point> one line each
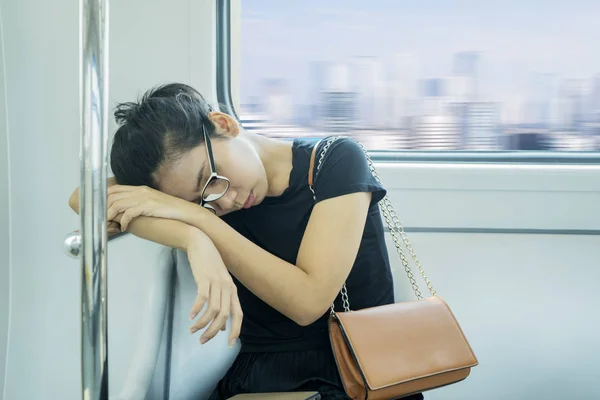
<point>345,170</point>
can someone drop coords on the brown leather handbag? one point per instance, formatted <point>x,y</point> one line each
<point>401,349</point>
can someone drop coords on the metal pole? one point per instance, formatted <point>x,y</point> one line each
<point>93,86</point>
<point>224,57</point>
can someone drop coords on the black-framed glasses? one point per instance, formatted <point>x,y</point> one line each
<point>216,185</point>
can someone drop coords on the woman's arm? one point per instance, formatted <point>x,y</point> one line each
<point>345,190</point>
<point>169,233</point>
<point>74,199</point>
<point>215,285</point>
<point>113,227</point>
<point>302,292</point>
<point>327,253</point>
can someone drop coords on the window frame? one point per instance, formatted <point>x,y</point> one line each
<point>224,55</point>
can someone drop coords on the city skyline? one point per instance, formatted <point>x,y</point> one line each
<point>542,95</point>
<point>531,63</point>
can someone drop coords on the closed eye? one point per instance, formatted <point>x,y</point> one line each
<point>200,178</point>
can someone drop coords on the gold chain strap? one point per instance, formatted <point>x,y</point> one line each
<point>395,227</point>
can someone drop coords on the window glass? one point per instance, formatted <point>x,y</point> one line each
<point>424,75</point>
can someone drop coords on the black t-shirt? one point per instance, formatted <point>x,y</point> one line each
<point>278,224</point>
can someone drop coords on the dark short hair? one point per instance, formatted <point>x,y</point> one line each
<point>165,123</point>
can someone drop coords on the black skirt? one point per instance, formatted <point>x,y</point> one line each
<point>296,371</point>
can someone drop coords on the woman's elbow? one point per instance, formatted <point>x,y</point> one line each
<point>74,201</point>
<point>311,314</point>
<point>305,320</point>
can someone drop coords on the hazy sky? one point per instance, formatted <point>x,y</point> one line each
<point>517,37</point>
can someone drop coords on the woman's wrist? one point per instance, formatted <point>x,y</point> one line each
<point>194,237</point>
<point>197,215</point>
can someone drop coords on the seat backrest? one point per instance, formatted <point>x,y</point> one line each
<point>195,369</point>
<point>151,351</point>
<point>139,289</point>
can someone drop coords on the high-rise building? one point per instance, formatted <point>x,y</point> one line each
<point>339,111</point>
<point>316,88</point>
<point>366,80</point>
<point>458,88</point>
<point>480,126</point>
<point>433,99</point>
<point>465,71</point>
<point>437,128</point>
<point>570,141</point>
<point>571,102</point>
<point>338,78</point>
<point>402,91</point>
<point>437,132</point>
<point>338,101</point>
<point>253,121</point>
<point>277,101</point>
<point>593,108</point>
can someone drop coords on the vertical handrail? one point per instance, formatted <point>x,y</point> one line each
<point>93,85</point>
<point>224,57</point>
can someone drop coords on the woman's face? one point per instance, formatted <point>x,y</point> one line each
<point>235,159</point>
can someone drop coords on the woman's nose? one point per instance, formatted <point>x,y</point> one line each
<point>227,202</point>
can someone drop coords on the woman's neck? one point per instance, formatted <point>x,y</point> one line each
<point>276,157</point>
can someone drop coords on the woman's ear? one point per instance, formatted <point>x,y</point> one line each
<point>225,125</point>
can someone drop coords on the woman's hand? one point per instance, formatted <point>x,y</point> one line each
<point>136,201</point>
<point>112,228</point>
<point>216,289</point>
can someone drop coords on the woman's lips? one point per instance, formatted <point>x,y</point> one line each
<point>250,201</point>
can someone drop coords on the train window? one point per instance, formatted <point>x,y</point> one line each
<point>433,75</point>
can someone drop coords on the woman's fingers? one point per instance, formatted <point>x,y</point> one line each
<point>212,310</point>
<point>112,224</point>
<point>222,302</point>
<point>116,207</point>
<point>113,227</point>
<point>216,292</point>
<point>128,208</point>
<point>129,215</point>
<point>201,299</point>
<point>236,318</point>
<point>119,202</point>
<point>221,317</point>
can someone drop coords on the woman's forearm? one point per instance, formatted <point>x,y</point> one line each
<point>301,292</point>
<point>212,279</point>
<point>74,199</point>
<point>166,232</point>
<point>278,283</point>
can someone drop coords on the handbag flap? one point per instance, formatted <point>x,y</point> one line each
<point>405,341</point>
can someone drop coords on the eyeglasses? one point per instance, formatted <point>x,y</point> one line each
<point>216,186</point>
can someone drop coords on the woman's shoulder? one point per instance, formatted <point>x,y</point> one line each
<point>340,148</point>
<point>342,166</point>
